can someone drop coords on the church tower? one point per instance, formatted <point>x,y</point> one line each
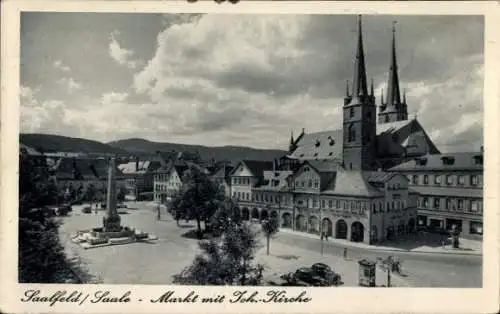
<point>393,109</point>
<point>359,117</point>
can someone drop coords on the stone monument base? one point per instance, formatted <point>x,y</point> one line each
<point>98,237</point>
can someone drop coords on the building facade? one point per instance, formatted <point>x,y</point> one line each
<point>360,182</point>
<point>450,188</point>
<point>139,178</point>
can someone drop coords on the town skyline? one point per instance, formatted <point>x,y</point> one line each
<point>248,85</point>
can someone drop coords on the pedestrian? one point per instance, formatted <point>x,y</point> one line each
<point>96,209</point>
<point>345,253</point>
<point>322,236</point>
<point>158,213</point>
<point>326,236</point>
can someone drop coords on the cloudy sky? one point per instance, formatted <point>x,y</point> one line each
<point>240,79</point>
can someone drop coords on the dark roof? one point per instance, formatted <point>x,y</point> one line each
<point>79,168</point>
<point>221,171</point>
<point>448,191</point>
<point>320,145</point>
<point>324,165</point>
<point>144,166</point>
<point>379,176</point>
<point>270,176</point>
<point>393,139</point>
<point>452,161</point>
<point>257,167</point>
<point>351,182</point>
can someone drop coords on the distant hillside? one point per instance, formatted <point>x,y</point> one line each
<point>55,143</point>
<point>232,153</point>
<point>140,147</point>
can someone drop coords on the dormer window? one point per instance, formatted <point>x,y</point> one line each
<point>317,144</point>
<point>315,154</point>
<point>330,154</point>
<point>421,161</point>
<point>331,141</point>
<point>447,160</point>
<point>478,159</point>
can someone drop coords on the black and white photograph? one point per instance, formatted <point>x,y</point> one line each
<point>264,150</point>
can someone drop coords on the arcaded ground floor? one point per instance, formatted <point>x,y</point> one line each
<point>351,227</point>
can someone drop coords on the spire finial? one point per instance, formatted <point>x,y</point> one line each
<point>404,95</point>
<point>347,88</point>
<point>393,94</point>
<point>359,83</point>
<point>382,97</point>
<point>371,88</point>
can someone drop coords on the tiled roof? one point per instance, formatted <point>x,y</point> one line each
<point>324,165</point>
<point>321,145</point>
<point>257,167</point>
<point>143,166</point>
<point>271,176</point>
<point>395,138</point>
<point>448,191</point>
<point>452,161</point>
<point>379,176</point>
<point>25,149</point>
<point>351,183</point>
<point>79,169</point>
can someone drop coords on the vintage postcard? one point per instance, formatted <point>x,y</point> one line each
<point>219,156</point>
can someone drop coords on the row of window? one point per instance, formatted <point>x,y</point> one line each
<point>164,187</point>
<point>425,179</point>
<point>161,177</point>
<point>308,184</point>
<point>315,203</point>
<point>451,204</point>
<point>241,181</point>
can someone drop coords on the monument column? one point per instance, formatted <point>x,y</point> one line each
<point>112,219</point>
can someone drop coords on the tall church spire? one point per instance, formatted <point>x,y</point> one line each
<point>393,94</point>
<point>359,83</point>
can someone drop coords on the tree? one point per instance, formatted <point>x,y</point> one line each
<point>228,211</point>
<point>226,260</point>
<point>41,255</point>
<point>198,199</point>
<point>269,228</point>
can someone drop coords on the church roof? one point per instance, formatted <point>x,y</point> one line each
<point>320,145</point>
<point>393,138</point>
<point>274,180</point>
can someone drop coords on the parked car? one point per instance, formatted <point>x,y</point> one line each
<point>121,205</point>
<point>325,272</point>
<point>308,276</point>
<point>87,210</point>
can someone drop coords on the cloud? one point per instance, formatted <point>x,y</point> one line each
<point>121,55</point>
<point>249,79</point>
<point>70,84</point>
<point>59,65</point>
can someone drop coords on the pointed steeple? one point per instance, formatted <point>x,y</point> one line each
<point>404,96</point>
<point>382,104</point>
<point>371,89</point>
<point>393,94</point>
<point>359,87</point>
<point>291,146</point>
<point>347,88</point>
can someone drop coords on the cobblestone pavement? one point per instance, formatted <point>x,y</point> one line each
<point>156,263</point>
